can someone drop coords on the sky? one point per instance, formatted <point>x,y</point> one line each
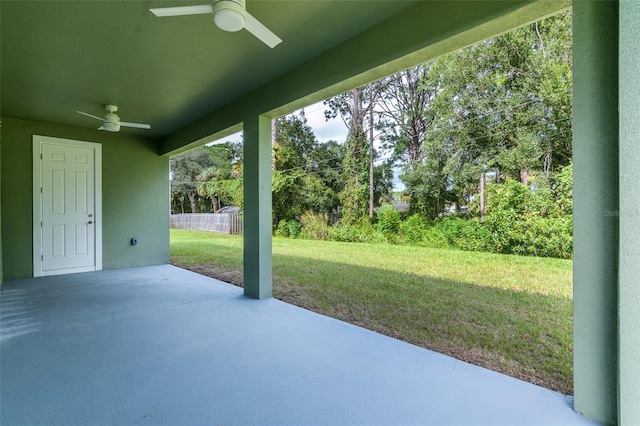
<point>325,131</point>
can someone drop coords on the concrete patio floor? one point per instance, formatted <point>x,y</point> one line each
<point>161,345</point>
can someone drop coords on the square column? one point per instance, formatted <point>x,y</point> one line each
<point>257,207</point>
<point>595,192</point>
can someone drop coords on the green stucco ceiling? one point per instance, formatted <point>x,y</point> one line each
<point>63,56</point>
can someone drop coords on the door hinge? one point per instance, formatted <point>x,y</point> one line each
<point>41,190</point>
<point>41,156</point>
<point>41,257</point>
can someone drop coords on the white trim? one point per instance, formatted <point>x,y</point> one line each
<point>37,203</point>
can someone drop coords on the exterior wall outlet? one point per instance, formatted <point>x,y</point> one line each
<point>134,241</point>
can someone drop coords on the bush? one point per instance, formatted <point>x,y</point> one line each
<point>464,234</point>
<point>314,226</point>
<point>414,229</point>
<point>360,232</point>
<point>294,228</point>
<point>473,236</point>
<point>287,228</point>
<point>532,236</point>
<point>389,222</point>
<point>282,230</point>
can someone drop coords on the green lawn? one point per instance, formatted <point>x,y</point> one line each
<point>507,313</point>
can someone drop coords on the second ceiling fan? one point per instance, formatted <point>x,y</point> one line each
<point>228,15</point>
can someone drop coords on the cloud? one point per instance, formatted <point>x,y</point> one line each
<point>324,130</point>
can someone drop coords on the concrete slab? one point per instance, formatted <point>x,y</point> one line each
<point>161,345</point>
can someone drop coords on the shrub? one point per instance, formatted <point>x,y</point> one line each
<point>389,222</point>
<point>414,229</point>
<point>464,234</point>
<point>282,230</point>
<point>294,228</point>
<point>314,226</point>
<point>434,238</point>
<point>531,236</point>
<point>360,232</point>
<point>473,236</point>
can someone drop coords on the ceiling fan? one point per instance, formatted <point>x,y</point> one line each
<point>111,122</point>
<point>228,15</point>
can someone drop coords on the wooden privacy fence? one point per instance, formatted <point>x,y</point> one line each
<point>222,223</point>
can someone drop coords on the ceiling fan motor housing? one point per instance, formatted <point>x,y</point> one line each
<point>229,15</point>
<point>111,125</point>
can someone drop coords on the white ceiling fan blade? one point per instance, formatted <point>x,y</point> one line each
<point>256,28</point>
<point>182,10</point>
<point>136,125</point>
<point>89,115</point>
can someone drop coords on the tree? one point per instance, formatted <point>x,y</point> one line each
<point>184,169</point>
<point>505,105</point>
<point>359,186</point>
<point>221,182</point>
<point>408,115</point>
<point>304,177</point>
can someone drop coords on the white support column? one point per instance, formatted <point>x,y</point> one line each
<point>257,207</point>
<point>629,272</point>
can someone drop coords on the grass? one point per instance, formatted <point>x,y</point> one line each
<point>508,313</point>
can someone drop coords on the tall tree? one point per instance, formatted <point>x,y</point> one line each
<point>408,110</point>
<point>354,107</point>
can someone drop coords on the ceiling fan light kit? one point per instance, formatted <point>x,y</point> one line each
<point>228,15</point>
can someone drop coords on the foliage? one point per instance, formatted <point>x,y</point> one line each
<point>287,228</point>
<point>358,194</point>
<point>304,176</point>
<point>294,228</point>
<point>503,104</point>
<point>388,222</point>
<point>414,229</point>
<point>222,181</point>
<point>282,230</point>
<point>562,188</point>
<point>185,168</point>
<point>362,231</point>
<point>314,226</point>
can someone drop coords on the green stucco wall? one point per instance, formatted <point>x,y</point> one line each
<point>629,269</point>
<point>135,196</point>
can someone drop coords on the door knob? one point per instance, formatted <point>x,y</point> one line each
<point>90,222</point>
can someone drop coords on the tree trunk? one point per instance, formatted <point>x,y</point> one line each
<point>524,176</point>
<point>371,152</point>
<point>482,182</point>
<point>192,200</point>
<point>274,140</point>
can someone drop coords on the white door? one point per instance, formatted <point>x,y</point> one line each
<point>68,211</point>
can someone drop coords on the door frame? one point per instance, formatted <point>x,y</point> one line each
<point>38,141</point>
